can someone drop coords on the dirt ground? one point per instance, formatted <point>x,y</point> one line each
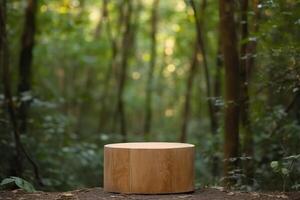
<point>99,194</point>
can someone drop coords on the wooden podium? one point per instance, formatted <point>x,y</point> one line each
<point>149,168</point>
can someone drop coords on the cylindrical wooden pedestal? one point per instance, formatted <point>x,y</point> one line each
<point>149,167</point>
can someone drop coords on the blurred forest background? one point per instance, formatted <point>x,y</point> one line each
<point>223,75</point>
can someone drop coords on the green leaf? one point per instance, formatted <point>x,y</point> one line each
<point>21,183</point>
<point>274,164</point>
<point>296,186</point>
<point>7,181</point>
<point>285,171</point>
<point>25,185</point>
<point>293,157</point>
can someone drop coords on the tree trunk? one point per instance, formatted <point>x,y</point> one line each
<point>252,44</point>
<point>199,22</point>
<point>149,87</point>
<point>218,76</point>
<point>199,29</point>
<point>25,61</point>
<point>243,68</point>
<point>231,63</point>
<point>111,72</point>
<point>4,64</point>
<point>188,93</point>
<point>244,94</point>
<point>126,46</point>
<point>103,14</point>
<point>9,104</point>
<point>216,96</point>
<point>248,51</point>
<point>84,106</point>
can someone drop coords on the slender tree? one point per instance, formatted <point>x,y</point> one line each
<point>217,92</point>
<point>149,87</point>
<point>25,61</point>
<point>9,103</point>
<point>83,106</point>
<point>244,93</point>
<point>212,109</point>
<point>251,49</point>
<point>218,76</point>
<point>231,63</point>
<point>111,72</point>
<point>103,18</point>
<point>188,93</point>
<point>200,40</point>
<point>7,88</point>
<point>126,45</point>
<point>243,67</point>
<point>248,51</point>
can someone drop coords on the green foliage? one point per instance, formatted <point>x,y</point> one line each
<point>21,183</point>
<point>286,168</point>
<point>74,89</point>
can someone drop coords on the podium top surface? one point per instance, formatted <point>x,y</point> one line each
<point>149,145</point>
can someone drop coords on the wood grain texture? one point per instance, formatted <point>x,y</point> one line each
<point>149,167</point>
